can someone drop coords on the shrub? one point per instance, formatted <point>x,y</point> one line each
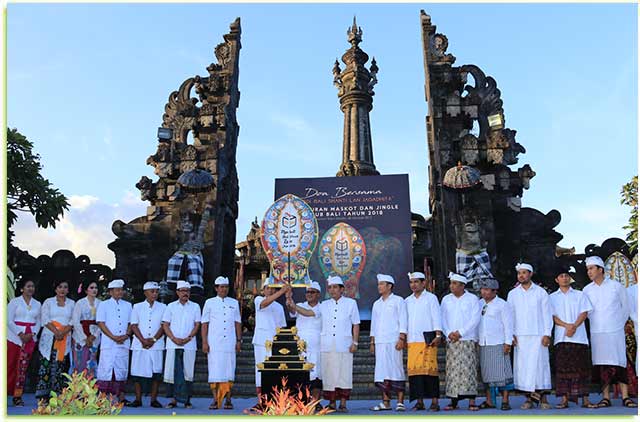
<point>79,397</point>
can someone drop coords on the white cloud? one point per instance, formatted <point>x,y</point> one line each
<point>82,202</point>
<point>85,228</point>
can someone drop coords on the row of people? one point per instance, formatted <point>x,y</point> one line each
<point>161,339</point>
<point>478,333</point>
<point>73,332</point>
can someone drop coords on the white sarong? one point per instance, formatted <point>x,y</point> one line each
<point>260,354</point>
<point>145,363</point>
<point>337,370</point>
<point>189,364</point>
<point>114,359</point>
<point>609,349</point>
<point>531,370</point>
<point>388,363</point>
<point>222,366</point>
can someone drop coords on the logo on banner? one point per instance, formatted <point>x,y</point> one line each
<point>343,253</point>
<point>289,234</point>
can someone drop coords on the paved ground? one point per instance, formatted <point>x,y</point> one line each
<point>356,407</point>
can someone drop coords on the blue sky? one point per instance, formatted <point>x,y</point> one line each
<point>88,84</point>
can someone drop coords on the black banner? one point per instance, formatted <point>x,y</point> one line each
<point>364,228</point>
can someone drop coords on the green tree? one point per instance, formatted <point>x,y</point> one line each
<point>630,197</point>
<point>27,190</point>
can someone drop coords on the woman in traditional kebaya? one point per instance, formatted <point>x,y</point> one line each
<point>86,333</point>
<point>23,316</point>
<point>55,341</point>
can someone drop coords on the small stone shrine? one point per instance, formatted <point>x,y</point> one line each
<point>286,360</point>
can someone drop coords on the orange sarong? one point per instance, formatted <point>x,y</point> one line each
<point>422,359</point>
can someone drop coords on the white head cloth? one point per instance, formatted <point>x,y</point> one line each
<point>115,284</point>
<point>524,266</point>
<point>385,278</point>
<point>150,285</point>
<point>183,285</point>
<point>458,277</point>
<point>334,280</point>
<point>221,281</point>
<point>594,260</point>
<point>314,285</point>
<point>416,275</point>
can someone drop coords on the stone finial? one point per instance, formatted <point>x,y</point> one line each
<point>354,34</point>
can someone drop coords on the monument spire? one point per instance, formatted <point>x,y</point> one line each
<point>355,89</point>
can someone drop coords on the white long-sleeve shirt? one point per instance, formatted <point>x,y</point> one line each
<point>338,319</point>
<point>309,328</point>
<point>610,306</point>
<point>531,311</point>
<point>83,311</point>
<point>268,320</point>
<point>18,310</point>
<point>423,315</point>
<point>388,319</point>
<point>567,307</point>
<point>182,319</point>
<point>116,315</point>
<point>496,322</point>
<point>149,320</point>
<point>461,314</point>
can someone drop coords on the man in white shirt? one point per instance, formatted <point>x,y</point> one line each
<point>571,347</point>
<point>113,317</point>
<point>269,317</point>
<point>388,339</point>
<point>221,340</point>
<point>460,319</point>
<point>632,292</point>
<point>423,310</point>
<point>338,342</point>
<point>181,321</point>
<point>606,322</point>
<point>532,337</point>
<point>309,330</point>
<point>148,344</point>
<point>495,334</point>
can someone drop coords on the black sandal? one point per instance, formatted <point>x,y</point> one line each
<point>505,406</point>
<point>228,405</point>
<point>135,403</point>
<point>434,408</point>
<point>485,405</point>
<point>171,405</point>
<point>627,402</point>
<point>156,404</point>
<point>602,403</point>
<point>418,406</point>
<point>18,402</point>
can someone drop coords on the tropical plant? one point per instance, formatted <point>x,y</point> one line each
<point>79,397</point>
<point>630,197</point>
<point>27,190</point>
<point>285,402</point>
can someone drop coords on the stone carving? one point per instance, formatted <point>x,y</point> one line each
<point>461,98</point>
<point>204,107</point>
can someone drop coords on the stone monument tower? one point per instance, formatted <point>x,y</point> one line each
<point>355,89</point>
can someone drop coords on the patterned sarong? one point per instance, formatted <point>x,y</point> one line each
<point>462,369</point>
<point>195,268</point>
<point>18,358</point>
<point>50,376</point>
<point>573,369</point>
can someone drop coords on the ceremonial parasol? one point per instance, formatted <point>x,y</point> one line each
<point>461,177</point>
<point>196,181</point>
